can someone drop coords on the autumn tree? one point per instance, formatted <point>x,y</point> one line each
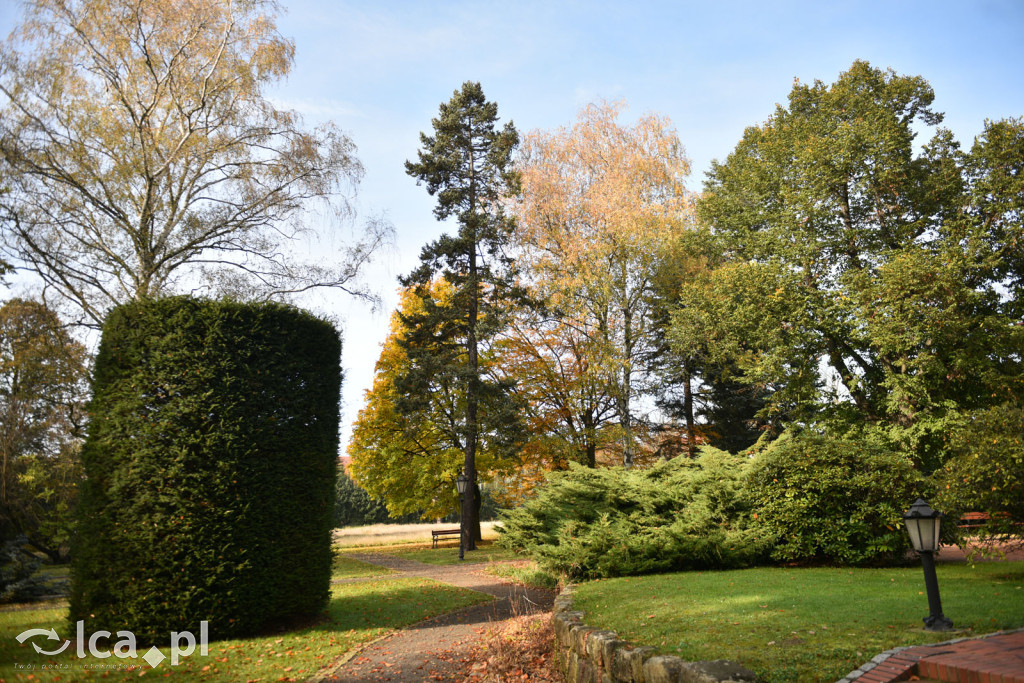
<point>466,164</point>
<point>42,388</point>
<point>894,267</point>
<point>142,155</point>
<point>565,394</point>
<point>410,458</point>
<point>601,203</point>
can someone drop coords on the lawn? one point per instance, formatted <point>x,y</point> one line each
<point>358,612</point>
<point>800,624</point>
<point>351,568</point>
<point>392,534</point>
<point>448,554</point>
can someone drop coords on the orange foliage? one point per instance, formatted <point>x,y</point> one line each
<point>601,206</point>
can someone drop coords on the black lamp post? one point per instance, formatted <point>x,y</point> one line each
<point>923,524</point>
<point>461,482</point>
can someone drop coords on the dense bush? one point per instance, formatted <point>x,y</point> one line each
<point>803,498</point>
<point>681,514</point>
<point>210,469</point>
<point>821,499</point>
<point>19,579</point>
<point>986,470</point>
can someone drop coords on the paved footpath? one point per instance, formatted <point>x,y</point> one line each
<point>438,649</point>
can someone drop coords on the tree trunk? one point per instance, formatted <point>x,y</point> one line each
<point>626,391</point>
<point>691,437</point>
<point>627,432</point>
<point>476,530</point>
<point>471,526</point>
<point>590,446</point>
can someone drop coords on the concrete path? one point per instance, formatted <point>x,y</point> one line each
<point>438,649</point>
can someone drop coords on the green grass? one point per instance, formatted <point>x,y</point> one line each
<point>351,568</point>
<point>524,574</point>
<point>447,554</point>
<point>800,624</point>
<point>358,612</point>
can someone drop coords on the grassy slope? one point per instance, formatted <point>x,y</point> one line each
<point>800,624</point>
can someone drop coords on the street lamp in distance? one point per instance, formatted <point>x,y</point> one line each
<point>923,524</point>
<point>461,482</point>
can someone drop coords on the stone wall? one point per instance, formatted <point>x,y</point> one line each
<point>589,655</point>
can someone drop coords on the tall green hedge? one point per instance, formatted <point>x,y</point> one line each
<point>210,469</point>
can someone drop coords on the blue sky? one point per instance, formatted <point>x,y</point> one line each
<point>380,69</point>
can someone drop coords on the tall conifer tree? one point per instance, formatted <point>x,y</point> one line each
<point>466,164</point>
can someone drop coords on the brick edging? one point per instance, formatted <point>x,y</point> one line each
<point>589,655</point>
<point>898,662</point>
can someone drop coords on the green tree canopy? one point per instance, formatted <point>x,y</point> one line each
<point>866,278</point>
<point>43,373</point>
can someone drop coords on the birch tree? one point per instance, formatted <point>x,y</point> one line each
<point>141,154</point>
<point>601,203</point>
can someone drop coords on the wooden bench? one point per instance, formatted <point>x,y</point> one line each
<point>973,520</point>
<point>976,520</point>
<point>436,534</point>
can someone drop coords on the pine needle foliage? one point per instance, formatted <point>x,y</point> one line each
<point>596,523</point>
<point>210,465</point>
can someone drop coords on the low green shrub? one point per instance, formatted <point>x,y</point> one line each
<point>354,507</point>
<point>821,499</point>
<point>681,514</point>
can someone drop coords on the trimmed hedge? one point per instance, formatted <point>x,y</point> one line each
<point>210,469</point>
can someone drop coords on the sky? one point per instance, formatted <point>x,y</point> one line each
<point>379,70</point>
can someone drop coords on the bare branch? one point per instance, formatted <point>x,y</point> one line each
<point>139,154</point>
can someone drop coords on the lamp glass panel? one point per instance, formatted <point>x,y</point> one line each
<point>935,532</point>
<point>924,533</point>
<point>914,529</point>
